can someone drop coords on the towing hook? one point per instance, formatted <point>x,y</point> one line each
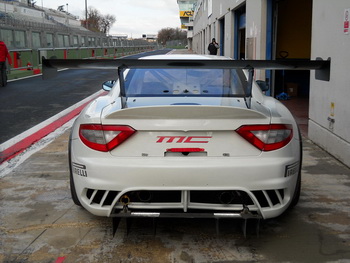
<point>245,213</point>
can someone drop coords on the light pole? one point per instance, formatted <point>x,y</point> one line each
<point>86,14</point>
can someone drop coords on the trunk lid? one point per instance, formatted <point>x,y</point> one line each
<point>180,130</point>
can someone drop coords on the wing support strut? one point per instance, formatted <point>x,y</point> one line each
<point>248,95</point>
<point>122,86</point>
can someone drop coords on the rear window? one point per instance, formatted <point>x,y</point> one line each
<point>185,82</point>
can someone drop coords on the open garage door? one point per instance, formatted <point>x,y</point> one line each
<point>290,38</point>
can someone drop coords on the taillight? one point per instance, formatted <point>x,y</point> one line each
<point>104,138</point>
<point>267,137</point>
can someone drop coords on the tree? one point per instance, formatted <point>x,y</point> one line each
<point>168,33</point>
<point>93,19</point>
<point>106,23</point>
<point>97,22</point>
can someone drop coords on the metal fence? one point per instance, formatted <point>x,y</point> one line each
<point>31,59</point>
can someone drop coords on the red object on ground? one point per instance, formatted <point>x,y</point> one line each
<point>36,71</point>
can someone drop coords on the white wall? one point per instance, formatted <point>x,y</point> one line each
<point>256,32</point>
<point>255,27</point>
<point>329,40</point>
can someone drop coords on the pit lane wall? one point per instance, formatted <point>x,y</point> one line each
<point>27,62</point>
<point>329,121</point>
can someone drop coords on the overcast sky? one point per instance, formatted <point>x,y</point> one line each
<point>134,17</point>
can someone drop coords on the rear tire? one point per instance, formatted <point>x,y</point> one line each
<point>297,191</point>
<point>71,179</point>
<point>73,192</point>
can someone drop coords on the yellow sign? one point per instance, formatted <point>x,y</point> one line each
<point>183,27</point>
<point>332,109</point>
<point>186,13</point>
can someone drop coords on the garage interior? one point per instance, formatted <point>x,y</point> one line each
<point>292,23</point>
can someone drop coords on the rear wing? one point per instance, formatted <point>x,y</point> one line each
<point>321,66</point>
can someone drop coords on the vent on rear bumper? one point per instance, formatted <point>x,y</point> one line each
<point>101,197</point>
<point>269,198</point>
<point>193,199</point>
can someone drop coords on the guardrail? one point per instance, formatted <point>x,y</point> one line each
<point>27,62</point>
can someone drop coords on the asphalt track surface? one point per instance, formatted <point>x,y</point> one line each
<point>27,102</point>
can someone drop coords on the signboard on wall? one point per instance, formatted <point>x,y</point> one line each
<point>186,13</point>
<point>346,21</point>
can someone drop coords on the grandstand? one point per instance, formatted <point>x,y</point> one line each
<point>24,25</point>
<point>32,32</point>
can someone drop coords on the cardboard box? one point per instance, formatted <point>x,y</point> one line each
<point>292,89</point>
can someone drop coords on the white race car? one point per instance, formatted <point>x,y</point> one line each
<point>192,136</point>
<point>185,135</point>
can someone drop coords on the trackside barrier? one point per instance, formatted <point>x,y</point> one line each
<point>28,61</point>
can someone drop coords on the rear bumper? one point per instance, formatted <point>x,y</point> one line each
<point>269,182</point>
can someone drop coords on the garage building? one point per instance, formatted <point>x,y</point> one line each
<point>289,29</point>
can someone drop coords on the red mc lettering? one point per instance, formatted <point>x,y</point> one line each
<point>183,139</point>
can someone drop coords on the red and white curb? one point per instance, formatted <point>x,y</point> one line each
<point>55,126</point>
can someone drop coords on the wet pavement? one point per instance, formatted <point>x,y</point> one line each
<point>40,223</point>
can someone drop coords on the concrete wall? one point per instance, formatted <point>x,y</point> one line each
<point>256,32</point>
<point>207,25</point>
<point>329,101</point>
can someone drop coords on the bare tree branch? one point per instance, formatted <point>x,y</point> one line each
<point>97,22</point>
<point>167,34</point>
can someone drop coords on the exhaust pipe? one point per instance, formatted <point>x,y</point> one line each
<point>124,200</point>
<point>144,196</point>
<point>226,198</point>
